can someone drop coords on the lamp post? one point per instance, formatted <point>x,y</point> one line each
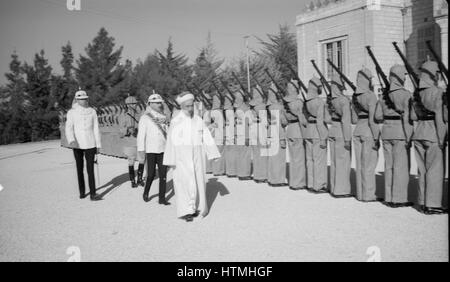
<point>248,62</point>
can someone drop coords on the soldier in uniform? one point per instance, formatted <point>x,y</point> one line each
<point>396,134</point>
<point>429,138</point>
<point>258,135</point>
<point>295,139</point>
<point>340,140</point>
<point>316,135</point>
<point>276,170</point>
<point>217,129</point>
<point>229,150</point>
<point>243,150</point>
<point>205,113</point>
<point>366,136</point>
<point>128,134</point>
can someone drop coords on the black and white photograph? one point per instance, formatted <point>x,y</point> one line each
<point>226,132</point>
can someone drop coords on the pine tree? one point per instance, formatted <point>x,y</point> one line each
<point>147,76</point>
<point>279,50</point>
<point>174,70</point>
<point>14,125</point>
<point>64,86</point>
<point>100,71</point>
<point>41,114</point>
<point>206,65</point>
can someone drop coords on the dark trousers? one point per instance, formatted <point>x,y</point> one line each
<point>153,160</point>
<point>89,155</point>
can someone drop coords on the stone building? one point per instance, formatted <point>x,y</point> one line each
<point>340,30</point>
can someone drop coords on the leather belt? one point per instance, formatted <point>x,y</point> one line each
<point>426,118</point>
<point>336,119</point>
<point>392,117</point>
<point>293,121</point>
<point>363,116</point>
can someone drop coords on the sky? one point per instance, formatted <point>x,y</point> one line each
<point>140,26</point>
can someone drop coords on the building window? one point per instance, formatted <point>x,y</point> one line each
<point>335,51</point>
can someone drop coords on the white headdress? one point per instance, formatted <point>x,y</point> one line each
<point>183,97</point>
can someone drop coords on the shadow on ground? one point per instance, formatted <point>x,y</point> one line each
<point>214,188</point>
<point>116,182</point>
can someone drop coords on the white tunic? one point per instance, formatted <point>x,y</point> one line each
<point>189,143</point>
<point>150,138</point>
<point>82,127</point>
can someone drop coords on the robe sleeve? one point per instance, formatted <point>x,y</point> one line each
<point>208,144</point>
<point>169,152</point>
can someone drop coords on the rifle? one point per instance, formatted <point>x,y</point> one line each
<point>204,98</point>
<point>441,65</point>
<point>277,93</point>
<point>325,83</point>
<point>247,94</point>
<point>327,87</point>
<point>442,68</point>
<point>380,73</point>
<point>260,86</point>
<point>218,91</point>
<point>417,101</point>
<point>301,85</point>
<point>231,98</point>
<point>348,81</point>
<point>412,75</point>
<point>170,102</point>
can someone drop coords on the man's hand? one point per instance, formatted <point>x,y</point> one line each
<point>348,145</point>
<point>408,144</point>
<point>73,144</point>
<point>323,144</point>
<point>283,144</point>
<point>376,144</point>
<point>97,151</point>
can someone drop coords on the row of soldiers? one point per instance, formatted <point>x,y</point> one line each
<point>307,126</point>
<point>310,125</point>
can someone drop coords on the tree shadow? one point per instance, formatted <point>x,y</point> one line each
<point>213,188</point>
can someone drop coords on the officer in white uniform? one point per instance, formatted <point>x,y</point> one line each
<point>83,136</point>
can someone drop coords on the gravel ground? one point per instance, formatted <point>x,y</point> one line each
<point>42,219</point>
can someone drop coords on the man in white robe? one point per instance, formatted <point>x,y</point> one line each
<point>189,143</point>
